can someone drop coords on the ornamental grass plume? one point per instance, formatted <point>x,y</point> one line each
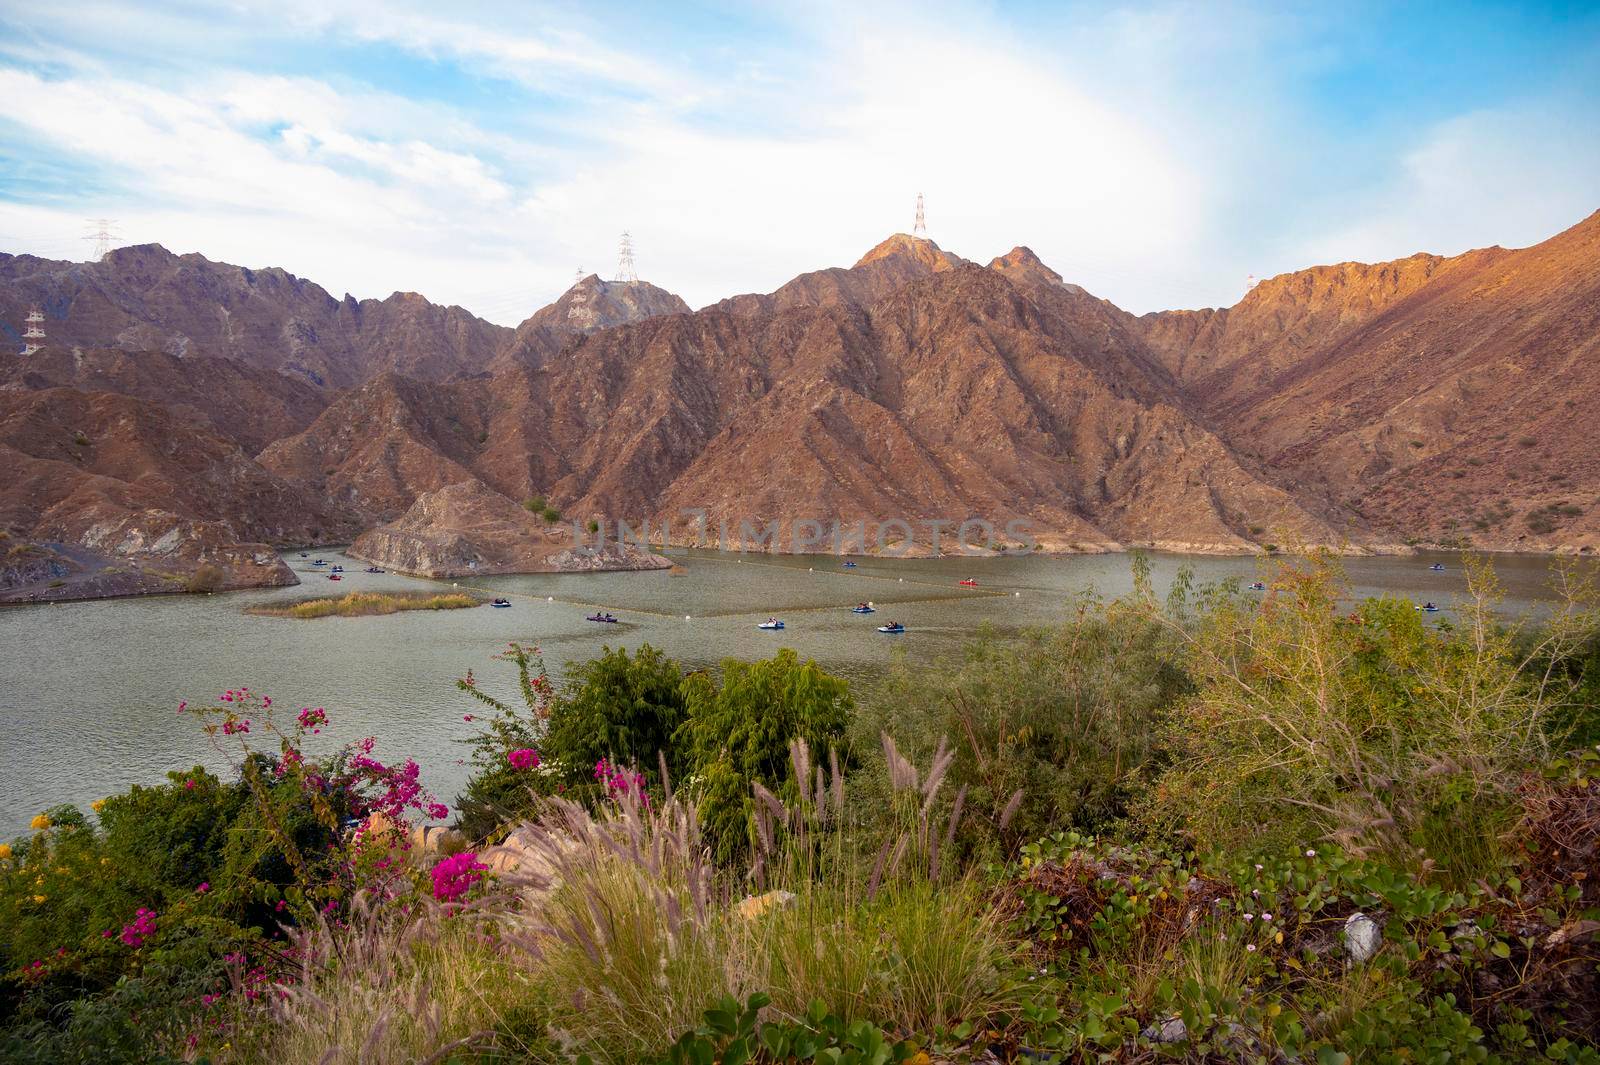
<point>384,983</point>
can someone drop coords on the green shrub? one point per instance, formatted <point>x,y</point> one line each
<point>623,709</point>
<point>1311,723</point>
<point>738,734</point>
<point>730,1033</point>
<point>1068,717</point>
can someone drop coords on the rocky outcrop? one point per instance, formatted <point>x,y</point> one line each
<point>469,529</point>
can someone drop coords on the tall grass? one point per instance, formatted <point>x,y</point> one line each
<point>639,933</point>
<point>381,986</point>
<point>366,604</point>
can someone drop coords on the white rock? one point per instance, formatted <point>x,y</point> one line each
<point>1171,1030</point>
<point>1361,937</point>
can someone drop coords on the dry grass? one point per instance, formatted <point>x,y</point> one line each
<point>368,604</point>
<point>385,986</point>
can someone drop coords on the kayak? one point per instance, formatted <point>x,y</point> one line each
<point>603,618</point>
<point>970,583</point>
<point>1258,587</point>
<point>892,629</point>
<point>502,603</point>
<point>849,565</point>
<point>773,624</point>
<point>375,569</point>
<point>335,577</point>
<point>1437,567</point>
<point>863,609</point>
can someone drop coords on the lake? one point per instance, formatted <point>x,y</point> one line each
<point>89,690</point>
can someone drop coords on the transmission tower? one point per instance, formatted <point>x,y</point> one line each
<point>102,231</point>
<point>33,337</point>
<point>625,272</point>
<point>578,276</point>
<point>921,228</point>
<point>1251,282</point>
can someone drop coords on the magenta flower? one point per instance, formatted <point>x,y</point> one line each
<point>523,758</point>
<point>438,811</point>
<point>205,886</point>
<point>454,876</point>
<point>142,928</point>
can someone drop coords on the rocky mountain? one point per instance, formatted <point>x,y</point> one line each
<point>892,264</point>
<point>250,406</point>
<point>590,304</point>
<point>958,393</point>
<point>1428,400</point>
<point>468,529</point>
<point>113,492</point>
<point>145,298</point>
<point>1442,400</point>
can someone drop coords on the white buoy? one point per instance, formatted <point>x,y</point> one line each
<point>902,580</point>
<point>1017,594</point>
<point>686,617</point>
<point>811,569</point>
<point>549,598</point>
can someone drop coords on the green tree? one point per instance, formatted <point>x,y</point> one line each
<point>620,708</point>
<point>738,734</point>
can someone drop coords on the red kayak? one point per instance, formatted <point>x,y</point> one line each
<point>970,583</point>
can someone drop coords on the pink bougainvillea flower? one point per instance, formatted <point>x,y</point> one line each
<point>523,758</point>
<point>454,876</point>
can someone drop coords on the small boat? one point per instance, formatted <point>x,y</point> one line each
<point>304,555</point>
<point>335,577</point>
<point>375,569</point>
<point>502,602</point>
<point>863,608</point>
<point>337,569</point>
<point>771,624</point>
<point>606,619</point>
<point>849,565</point>
<point>319,562</point>
<point>970,583</point>
<point>1437,567</point>
<point>1257,586</point>
<point>893,628</point>
<point>1428,608</point>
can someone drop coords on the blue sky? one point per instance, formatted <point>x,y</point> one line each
<point>1154,153</point>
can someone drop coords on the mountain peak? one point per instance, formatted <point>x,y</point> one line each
<point>915,249</point>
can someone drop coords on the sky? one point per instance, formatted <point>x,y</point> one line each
<point>1154,153</point>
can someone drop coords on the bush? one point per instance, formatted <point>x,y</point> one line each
<point>1066,718</point>
<point>498,792</point>
<point>623,709</point>
<point>738,734</point>
<point>1371,727</point>
<point>206,577</point>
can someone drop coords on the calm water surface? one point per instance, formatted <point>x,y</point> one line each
<point>88,691</point>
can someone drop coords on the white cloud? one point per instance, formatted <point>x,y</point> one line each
<point>1111,150</point>
<point>1511,176</point>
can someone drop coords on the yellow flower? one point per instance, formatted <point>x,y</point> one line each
<point>40,823</point>
<point>38,898</point>
<point>97,805</point>
<point>5,851</point>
